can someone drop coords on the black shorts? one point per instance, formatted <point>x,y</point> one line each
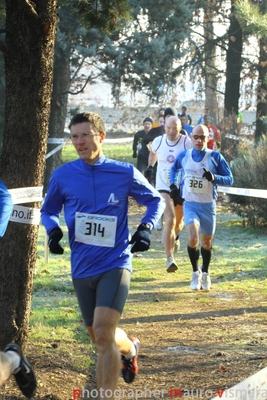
<point>109,289</point>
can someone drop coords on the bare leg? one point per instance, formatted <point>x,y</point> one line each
<point>169,232</point>
<point>109,358</point>
<point>179,219</point>
<point>192,235</point>
<point>206,241</point>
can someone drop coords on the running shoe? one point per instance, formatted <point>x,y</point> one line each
<point>205,282</point>
<point>196,280</point>
<point>129,367</point>
<point>24,375</point>
<point>171,265</point>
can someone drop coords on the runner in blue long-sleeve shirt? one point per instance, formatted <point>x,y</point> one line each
<point>202,170</point>
<point>94,191</point>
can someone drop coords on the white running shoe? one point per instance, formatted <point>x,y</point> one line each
<point>171,264</point>
<point>205,282</point>
<point>196,280</point>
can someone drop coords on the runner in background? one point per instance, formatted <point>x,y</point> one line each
<point>140,151</point>
<point>164,150</point>
<point>202,171</point>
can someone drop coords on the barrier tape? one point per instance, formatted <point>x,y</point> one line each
<point>26,194</point>
<point>243,191</point>
<point>28,215</point>
<point>22,214</point>
<point>252,388</point>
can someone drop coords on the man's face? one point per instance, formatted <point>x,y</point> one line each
<point>87,141</point>
<point>172,128</point>
<point>161,120</point>
<point>200,137</point>
<point>147,126</point>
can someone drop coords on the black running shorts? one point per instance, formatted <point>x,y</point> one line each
<point>109,289</point>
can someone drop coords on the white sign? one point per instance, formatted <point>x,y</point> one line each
<point>252,388</point>
<point>25,215</point>
<point>26,195</point>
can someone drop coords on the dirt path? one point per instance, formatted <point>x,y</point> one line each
<point>193,344</point>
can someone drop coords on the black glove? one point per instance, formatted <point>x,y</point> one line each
<point>141,239</point>
<point>148,173</point>
<point>208,175</point>
<point>175,195</point>
<point>54,237</point>
<point>134,154</point>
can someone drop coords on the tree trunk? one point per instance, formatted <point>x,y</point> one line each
<point>2,102</point>
<point>233,67</point>
<point>58,114</point>
<point>30,32</point>
<point>211,79</point>
<point>261,121</point>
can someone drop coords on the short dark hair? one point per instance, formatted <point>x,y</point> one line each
<point>88,117</point>
<point>169,111</point>
<point>148,119</point>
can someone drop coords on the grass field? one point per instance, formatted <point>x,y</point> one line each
<point>160,308</point>
<point>121,152</point>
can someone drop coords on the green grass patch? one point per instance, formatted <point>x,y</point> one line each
<point>116,151</point>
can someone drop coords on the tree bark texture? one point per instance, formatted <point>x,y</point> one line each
<point>29,51</point>
<point>233,67</point>
<point>261,122</point>
<point>211,78</point>
<point>58,114</point>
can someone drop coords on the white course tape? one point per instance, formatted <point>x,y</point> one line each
<point>55,140</point>
<point>252,388</point>
<point>25,215</point>
<point>26,194</point>
<point>244,191</point>
<point>119,140</point>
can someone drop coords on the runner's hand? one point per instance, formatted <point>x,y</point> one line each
<point>141,239</point>
<point>175,195</point>
<point>53,243</point>
<point>148,173</point>
<point>208,175</point>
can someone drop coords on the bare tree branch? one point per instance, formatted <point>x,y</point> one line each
<point>81,63</point>
<point>89,79</point>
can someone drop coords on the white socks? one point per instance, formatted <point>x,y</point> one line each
<point>14,360</point>
<point>9,362</point>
